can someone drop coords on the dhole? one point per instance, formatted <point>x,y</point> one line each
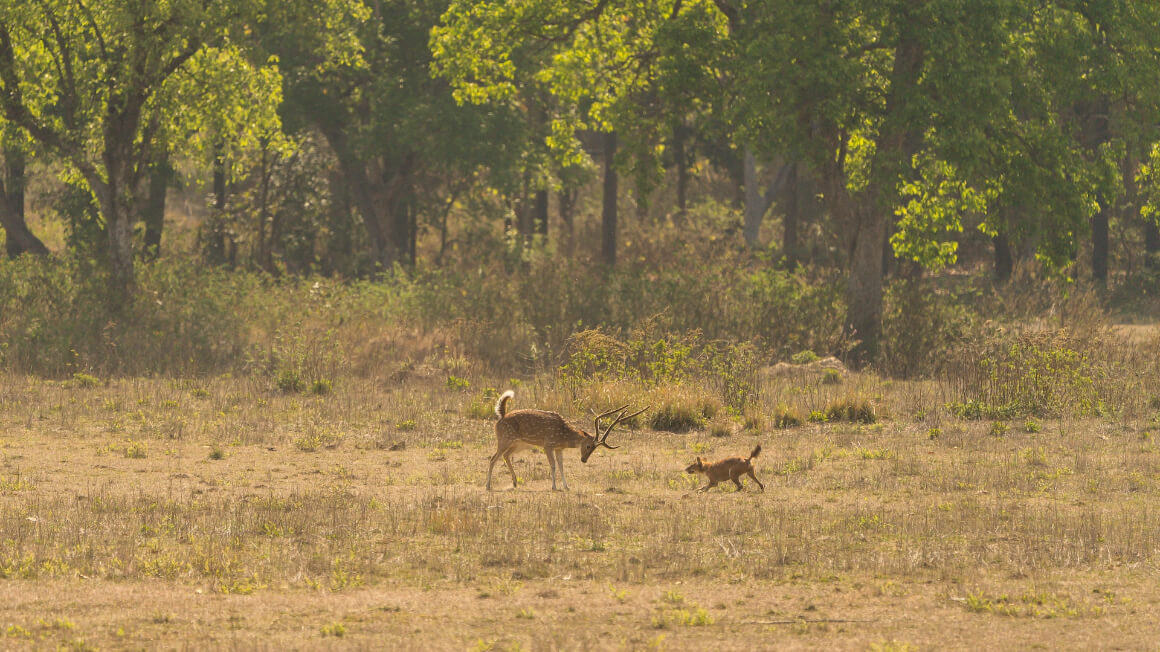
<point>730,468</point>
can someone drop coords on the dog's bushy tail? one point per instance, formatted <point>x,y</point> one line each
<point>755,453</point>
<point>501,404</point>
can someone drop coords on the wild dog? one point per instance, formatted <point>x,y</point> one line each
<point>521,429</point>
<point>730,468</point>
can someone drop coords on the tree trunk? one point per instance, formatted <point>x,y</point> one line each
<point>1100,245</point>
<point>525,218</point>
<point>261,244</point>
<point>608,214</point>
<point>680,159</point>
<point>215,242</point>
<point>755,206</point>
<point>119,231</point>
<point>864,291</point>
<point>1097,132</point>
<point>1004,262</point>
<point>791,211</point>
<point>354,171</point>
<point>567,205</point>
<point>153,211</point>
<point>541,213</point>
<point>757,203</point>
<point>1152,244</point>
<point>19,239</point>
<point>412,232</point>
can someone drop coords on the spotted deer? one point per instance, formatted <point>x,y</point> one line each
<point>522,429</point>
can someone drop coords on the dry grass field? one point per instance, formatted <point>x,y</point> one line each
<point>221,513</point>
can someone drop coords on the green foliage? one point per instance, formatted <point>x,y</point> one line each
<point>804,357</point>
<point>669,359</point>
<point>136,449</point>
<point>82,381</point>
<point>302,358</point>
<point>315,439</point>
<point>55,321</point>
<point>974,410</point>
<point>1038,374</point>
<point>337,630</point>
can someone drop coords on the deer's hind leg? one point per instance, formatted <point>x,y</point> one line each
<point>491,466</point>
<point>507,458</point>
<point>504,453</point>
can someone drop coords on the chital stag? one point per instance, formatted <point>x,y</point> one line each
<point>521,429</point>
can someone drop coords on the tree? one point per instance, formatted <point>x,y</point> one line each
<point>19,239</point>
<point>405,148</point>
<point>608,67</point>
<point>82,80</point>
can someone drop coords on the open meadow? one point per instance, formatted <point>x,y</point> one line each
<point>220,512</point>
<point>269,269</point>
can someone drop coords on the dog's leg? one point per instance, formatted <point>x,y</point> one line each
<point>751,474</point>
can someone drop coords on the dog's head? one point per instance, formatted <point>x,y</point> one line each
<point>696,467</point>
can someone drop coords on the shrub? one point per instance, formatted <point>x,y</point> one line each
<point>804,357</point>
<point>677,417</point>
<point>786,417</point>
<point>921,327</point>
<point>721,427</point>
<point>854,409</point>
<point>1040,374</point>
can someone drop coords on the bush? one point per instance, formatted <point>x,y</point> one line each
<point>921,328</point>
<point>854,409</point>
<point>675,417</point>
<point>786,417</point>
<point>1004,375</point>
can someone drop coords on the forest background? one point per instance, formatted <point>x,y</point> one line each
<point>859,179</point>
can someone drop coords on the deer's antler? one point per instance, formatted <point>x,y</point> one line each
<point>602,438</point>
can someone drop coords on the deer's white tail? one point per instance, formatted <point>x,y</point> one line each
<point>501,404</point>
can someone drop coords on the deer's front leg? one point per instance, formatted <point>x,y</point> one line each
<point>560,465</point>
<point>552,464</point>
